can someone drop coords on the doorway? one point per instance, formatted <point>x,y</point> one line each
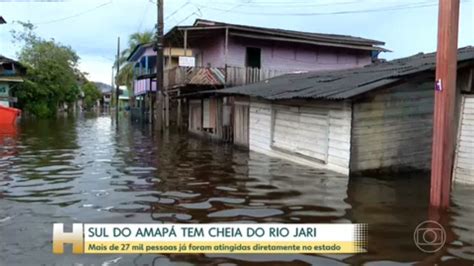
<point>253,58</point>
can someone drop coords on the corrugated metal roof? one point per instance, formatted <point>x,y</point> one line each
<point>342,84</point>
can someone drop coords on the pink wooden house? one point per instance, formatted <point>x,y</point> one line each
<point>226,55</point>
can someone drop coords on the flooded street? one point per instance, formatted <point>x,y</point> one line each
<point>87,170</point>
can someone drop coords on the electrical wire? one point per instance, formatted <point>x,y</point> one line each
<point>73,16</point>
<point>145,12</point>
<point>177,10</point>
<point>287,4</point>
<point>384,9</point>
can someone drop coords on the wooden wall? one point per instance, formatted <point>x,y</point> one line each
<point>195,115</point>
<point>392,128</point>
<point>464,164</point>
<point>241,123</point>
<point>262,125</point>
<point>205,117</point>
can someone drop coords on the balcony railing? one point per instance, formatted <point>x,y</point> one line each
<point>213,76</point>
<point>8,72</point>
<point>207,76</point>
<point>181,76</point>
<point>237,76</point>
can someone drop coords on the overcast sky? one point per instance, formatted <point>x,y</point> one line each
<point>91,27</point>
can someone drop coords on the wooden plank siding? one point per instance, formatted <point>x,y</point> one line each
<point>393,128</point>
<point>241,123</point>
<point>302,131</point>
<point>464,164</point>
<point>195,116</point>
<point>300,123</point>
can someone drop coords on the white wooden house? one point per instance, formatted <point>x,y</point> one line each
<point>357,121</point>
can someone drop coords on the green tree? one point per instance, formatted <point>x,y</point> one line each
<point>52,76</point>
<point>91,95</point>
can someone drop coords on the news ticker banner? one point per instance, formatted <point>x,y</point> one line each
<point>211,238</point>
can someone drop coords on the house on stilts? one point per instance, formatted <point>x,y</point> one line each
<point>11,74</point>
<point>215,55</point>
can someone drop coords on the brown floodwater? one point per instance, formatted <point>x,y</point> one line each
<point>88,170</point>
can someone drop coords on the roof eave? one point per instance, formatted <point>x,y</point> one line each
<point>133,55</point>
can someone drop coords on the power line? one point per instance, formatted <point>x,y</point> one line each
<point>73,16</point>
<point>384,9</point>
<point>286,4</point>
<point>177,10</point>
<point>236,6</point>
<point>145,12</point>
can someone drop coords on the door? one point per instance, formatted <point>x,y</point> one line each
<point>195,111</point>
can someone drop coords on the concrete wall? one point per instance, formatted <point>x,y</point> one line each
<point>392,128</point>
<point>338,143</point>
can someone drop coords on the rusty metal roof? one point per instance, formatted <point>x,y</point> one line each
<point>342,84</point>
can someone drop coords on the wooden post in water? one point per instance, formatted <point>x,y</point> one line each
<point>117,87</point>
<point>159,64</point>
<point>445,95</point>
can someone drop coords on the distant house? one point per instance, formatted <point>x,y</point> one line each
<point>106,91</point>
<point>218,55</point>
<point>357,121</point>
<point>144,73</point>
<point>11,73</point>
<point>124,98</point>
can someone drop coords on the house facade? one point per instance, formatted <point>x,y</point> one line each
<point>376,119</point>
<point>11,73</point>
<point>144,77</point>
<point>229,55</point>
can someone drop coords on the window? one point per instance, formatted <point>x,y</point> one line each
<point>253,59</point>
<point>8,66</point>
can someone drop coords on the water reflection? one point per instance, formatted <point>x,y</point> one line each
<point>89,170</point>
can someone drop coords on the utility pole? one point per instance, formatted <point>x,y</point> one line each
<point>444,109</point>
<point>159,63</point>
<point>117,89</point>
<point>112,85</point>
